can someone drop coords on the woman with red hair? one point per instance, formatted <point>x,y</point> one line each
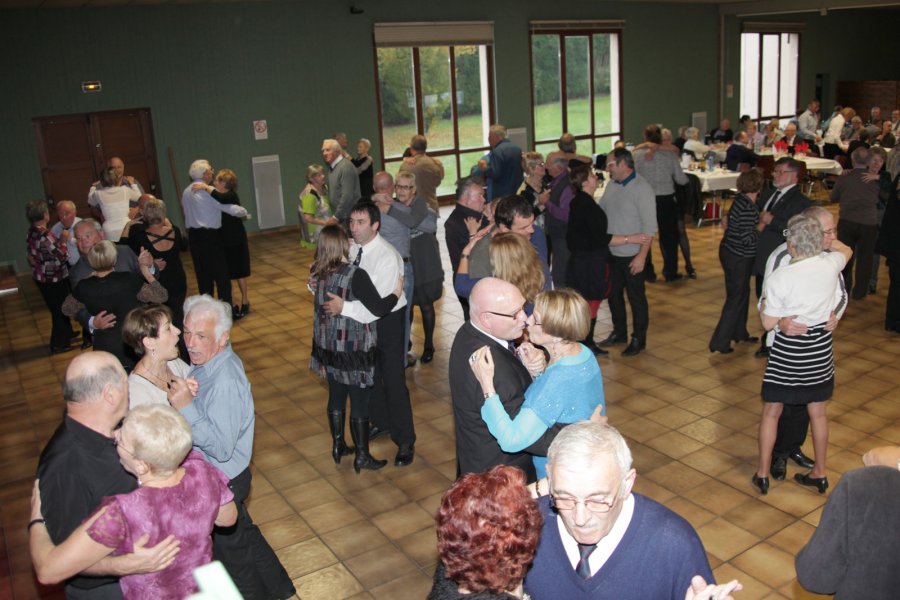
<point>488,527</point>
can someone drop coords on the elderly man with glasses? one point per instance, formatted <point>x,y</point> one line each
<point>497,319</point>
<point>776,207</point>
<point>601,540</point>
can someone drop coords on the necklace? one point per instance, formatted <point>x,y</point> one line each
<point>159,382</point>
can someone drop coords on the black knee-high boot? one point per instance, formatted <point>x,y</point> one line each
<point>359,429</point>
<point>339,447</point>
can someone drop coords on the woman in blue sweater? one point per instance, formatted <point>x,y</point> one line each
<point>570,389</point>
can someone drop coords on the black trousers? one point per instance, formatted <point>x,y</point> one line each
<point>246,554</point>
<point>110,591</point>
<point>54,294</point>
<point>792,428</point>
<point>389,406</point>
<point>861,239</point>
<point>892,310</point>
<point>208,253</point>
<point>667,221</point>
<point>623,281</point>
<point>464,304</point>
<point>733,321</point>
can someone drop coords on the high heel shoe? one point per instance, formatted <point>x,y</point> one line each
<point>820,483</point>
<point>427,355</point>
<point>760,483</point>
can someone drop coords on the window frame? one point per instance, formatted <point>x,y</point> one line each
<point>589,32</point>
<point>759,117</point>
<point>455,151</point>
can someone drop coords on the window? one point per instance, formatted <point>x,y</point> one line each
<point>441,91</point>
<point>769,74</point>
<point>576,83</point>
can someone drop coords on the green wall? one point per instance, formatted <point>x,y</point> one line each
<point>207,70</point>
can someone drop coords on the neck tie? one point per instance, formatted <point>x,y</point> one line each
<point>583,568</point>
<point>775,198</point>
<point>358,257</point>
<point>511,346</point>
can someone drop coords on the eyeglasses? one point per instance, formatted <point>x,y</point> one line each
<point>781,172</point>
<point>510,316</point>
<point>831,231</point>
<point>119,444</point>
<point>404,187</point>
<point>595,506</point>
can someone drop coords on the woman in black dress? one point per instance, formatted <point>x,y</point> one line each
<point>234,236</point>
<point>116,292</point>
<point>364,168</point>
<point>587,271</point>
<point>165,243</point>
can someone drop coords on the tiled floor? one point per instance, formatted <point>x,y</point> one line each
<point>691,418</point>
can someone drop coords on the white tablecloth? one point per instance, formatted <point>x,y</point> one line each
<point>713,181</point>
<point>814,163</point>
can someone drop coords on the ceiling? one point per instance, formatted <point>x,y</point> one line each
<point>730,7</point>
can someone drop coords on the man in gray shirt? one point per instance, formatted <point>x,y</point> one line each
<point>398,217</point>
<point>858,225</point>
<point>628,203</point>
<point>662,171</point>
<point>343,182</point>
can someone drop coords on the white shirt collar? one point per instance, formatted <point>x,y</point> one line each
<point>337,160</point>
<point>504,343</point>
<point>606,546</point>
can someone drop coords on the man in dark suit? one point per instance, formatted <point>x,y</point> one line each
<point>497,317</point>
<point>776,207</point>
<point>738,153</point>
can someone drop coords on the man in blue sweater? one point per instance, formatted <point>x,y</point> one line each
<point>600,540</point>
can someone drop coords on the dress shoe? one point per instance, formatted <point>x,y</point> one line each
<point>779,467</point>
<point>760,483</point>
<point>820,483</point>
<point>245,309</point>
<point>802,459</point>
<point>427,355</point>
<point>376,432</point>
<point>691,273</point>
<point>634,348</point>
<point>236,313</point>
<point>405,455</point>
<point>614,338</point>
<point>728,350</point>
<point>674,277</point>
<point>650,277</point>
<point>60,349</point>
<point>761,353</point>
<point>593,347</point>
<point>751,339</point>
<point>410,360</point>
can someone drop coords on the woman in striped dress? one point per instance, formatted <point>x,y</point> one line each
<point>801,367</point>
<point>737,253</point>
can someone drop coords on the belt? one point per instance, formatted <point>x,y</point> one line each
<point>405,259</point>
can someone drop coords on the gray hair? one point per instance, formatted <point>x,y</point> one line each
<point>498,130</point>
<point>154,211</point>
<point>805,236</point>
<point>581,444</point>
<point>816,212</point>
<point>567,142</point>
<point>35,210</point>
<point>861,157</point>
<point>103,256</point>
<point>160,436</point>
<point>89,386</point>
<point>407,175</point>
<point>530,160</point>
<point>693,133</point>
<point>332,145</point>
<point>199,167</point>
<point>365,142</point>
<point>204,304</point>
<point>88,222</point>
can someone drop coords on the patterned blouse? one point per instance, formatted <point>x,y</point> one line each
<point>47,257</point>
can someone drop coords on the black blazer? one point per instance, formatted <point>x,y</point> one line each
<point>476,449</point>
<point>790,204</point>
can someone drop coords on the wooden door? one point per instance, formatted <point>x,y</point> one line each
<point>74,149</point>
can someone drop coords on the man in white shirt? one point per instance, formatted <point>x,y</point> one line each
<point>598,534</point>
<point>390,407</point>
<point>808,122</point>
<point>65,228</point>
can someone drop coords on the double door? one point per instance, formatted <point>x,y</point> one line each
<point>73,150</point>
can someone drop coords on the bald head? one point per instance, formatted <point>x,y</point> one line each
<point>383,182</point>
<point>88,374</point>
<point>496,307</point>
